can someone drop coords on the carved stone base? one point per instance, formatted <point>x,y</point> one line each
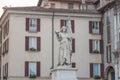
<point>64,73</point>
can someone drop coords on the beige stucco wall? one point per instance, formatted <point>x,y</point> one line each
<point>18,55</point>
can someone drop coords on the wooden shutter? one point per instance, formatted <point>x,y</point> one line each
<point>90,46</point>
<point>101,46</point>
<point>7,69</point>
<point>100,28</point>
<point>73,45</point>
<point>102,70</point>
<point>73,65</point>
<point>7,45</point>
<point>90,27</point>
<point>4,32</point>
<point>26,68</point>
<point>38,69</point>
<point>73,26</point>
<point>61,23</point>
<point>38,25</point>
<point>3,70</point>
<point>8,27</point>
<point>91,69</point>
<point>38,43</point>
<point>27,24</point>
<point>26,43</point>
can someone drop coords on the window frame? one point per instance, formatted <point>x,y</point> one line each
<point>70,5</point>
<point>95,24</point>
<point>32,25</point>
<point>33,42</point>
<point>35,66</point>
<point>99,70</point>
<point>96,45</point>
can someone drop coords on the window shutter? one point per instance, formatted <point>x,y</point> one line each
<point>27,24</point>
<point>91,69</point>
<point>73,65</point>
<point>38,43</point>
<point>38,69</point>
<point>26,43</point>
<point>73,26</point>
<point>38,25</point>
<point>26,68</point>
<point>7,45</point>
<point>73,45</point>
<point>90,46</point>
<point>8,27</point>
<point>102,70</point>
<point>3,70</point>
<point>100,28</point>
<point>101,46</point>
<point>7,69</point>
<point>90,26</point>
<point>62,23</point>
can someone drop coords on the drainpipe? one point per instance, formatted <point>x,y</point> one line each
<point>52,40</point>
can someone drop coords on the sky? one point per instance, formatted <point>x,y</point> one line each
<point>16,3</point>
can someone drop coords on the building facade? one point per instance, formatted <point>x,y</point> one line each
<point>29,47</point>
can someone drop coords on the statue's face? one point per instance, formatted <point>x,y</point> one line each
<point>64,29</point>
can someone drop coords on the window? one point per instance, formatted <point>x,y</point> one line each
<point>52,5</point>
<point>32,68</point>
<point>65,23</point>
<point>5,70</point>
<point>96,69</point>
<point>70,5</point>
<point>6,30</point>
<point>5,46</point>
<point>33,24</point>
<point>33,43</point>
<point>95,27</point>
<point>96,46</point>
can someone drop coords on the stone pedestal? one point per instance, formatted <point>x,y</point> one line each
<point>64,73</point>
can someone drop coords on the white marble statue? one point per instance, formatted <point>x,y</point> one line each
<point>64,36</point>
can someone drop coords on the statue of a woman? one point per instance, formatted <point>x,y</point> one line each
<point>65,46</point>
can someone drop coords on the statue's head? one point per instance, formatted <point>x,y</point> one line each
<point>64,29</point>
